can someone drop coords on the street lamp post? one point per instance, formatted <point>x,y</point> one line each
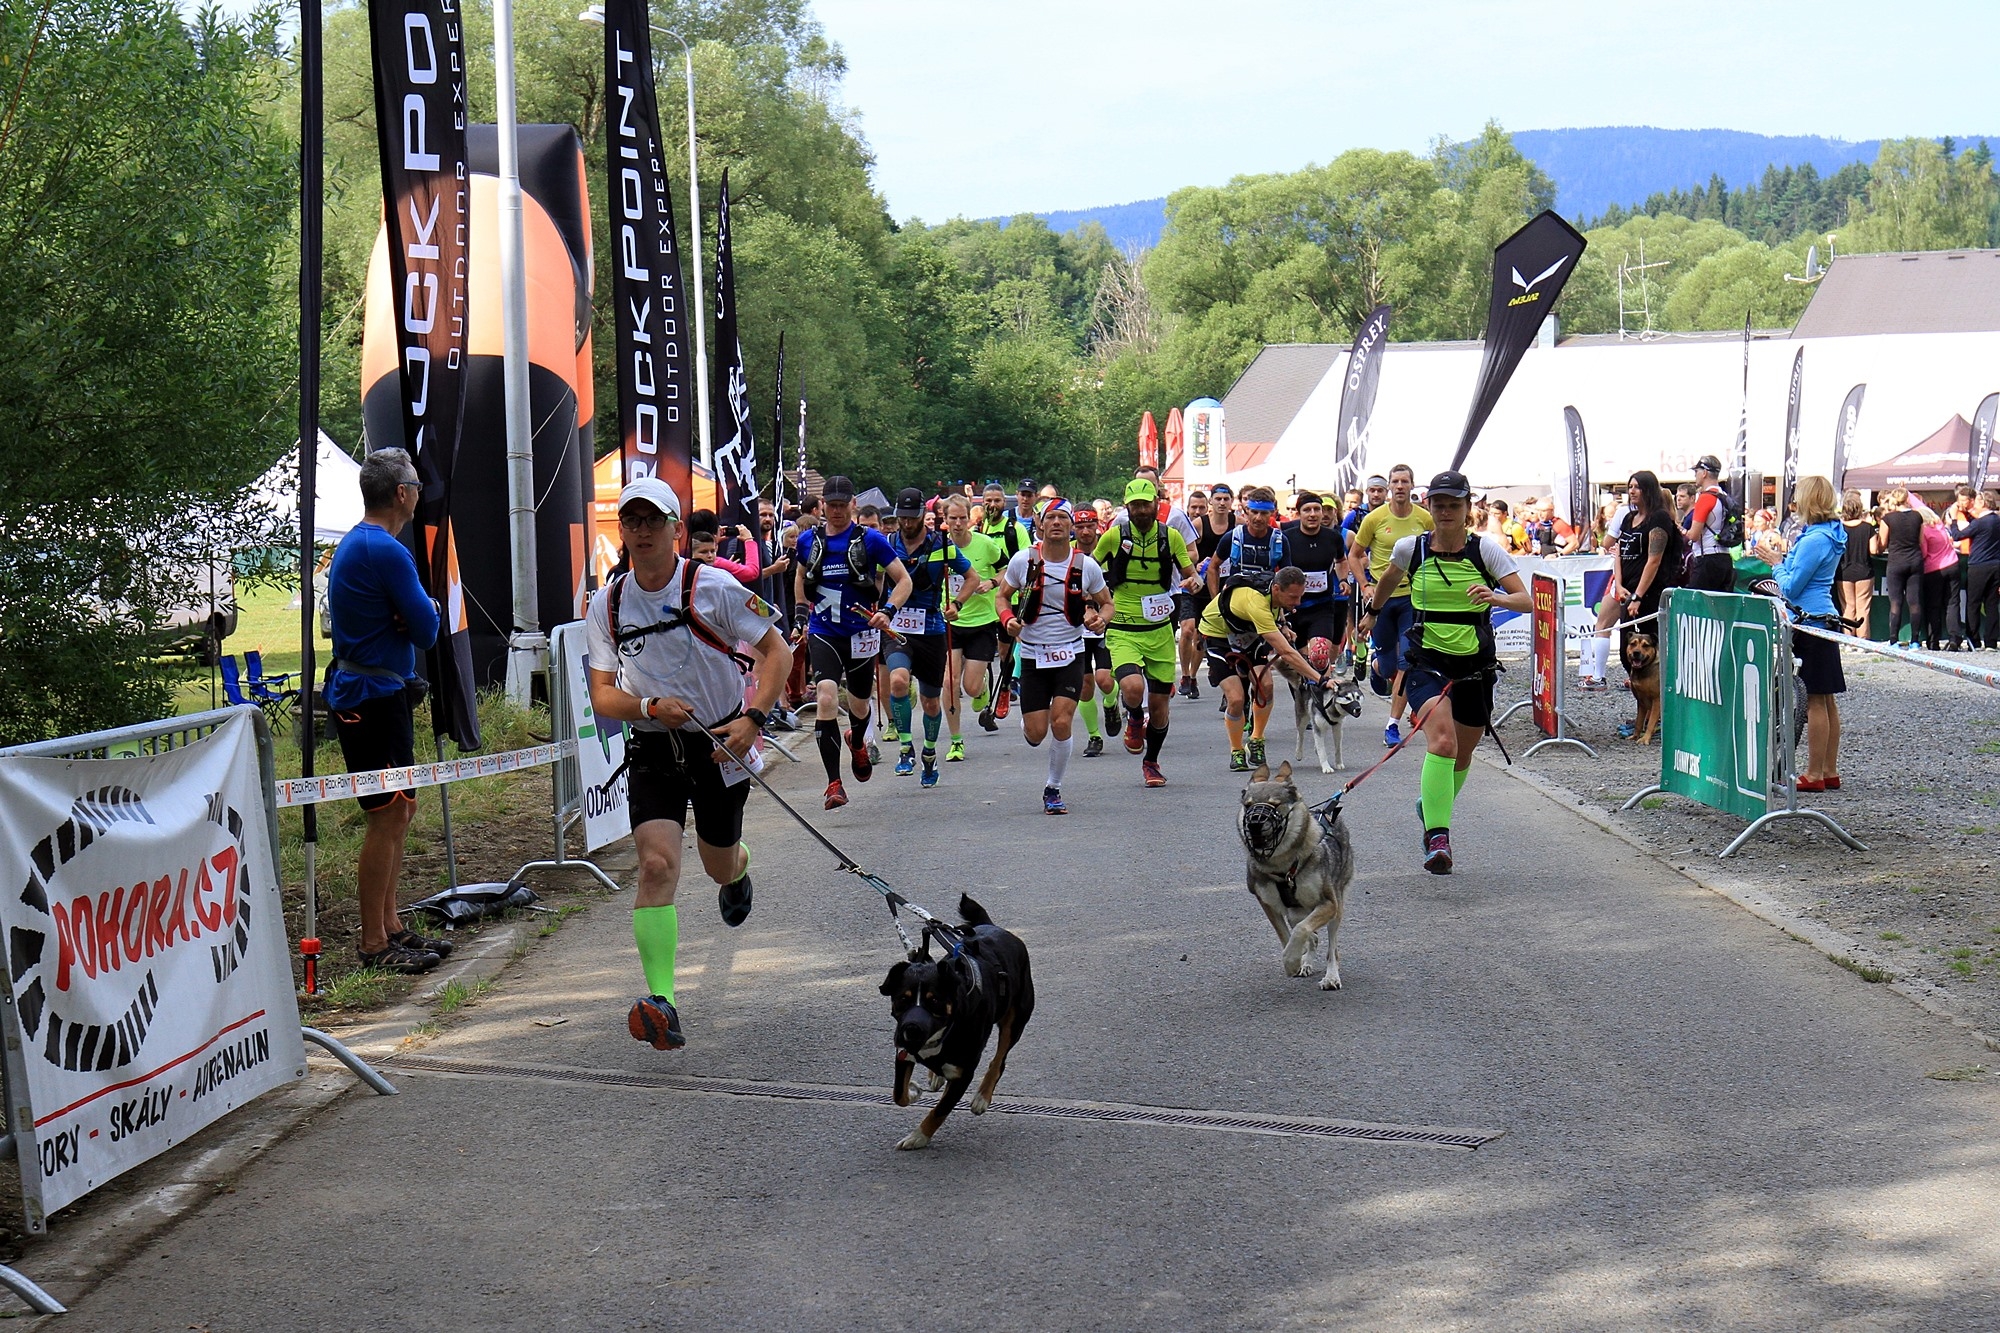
<point>595,14</point>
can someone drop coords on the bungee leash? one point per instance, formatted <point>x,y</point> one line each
<point>1329,810</point>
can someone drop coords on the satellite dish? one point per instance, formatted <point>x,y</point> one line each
<point>1813,270</point>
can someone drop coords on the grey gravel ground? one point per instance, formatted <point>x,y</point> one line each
<point>1920,785</point>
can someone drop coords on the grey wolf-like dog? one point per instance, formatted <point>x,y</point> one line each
<point>1297,871</point>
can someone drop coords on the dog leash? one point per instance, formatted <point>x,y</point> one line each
<point>1329,809</point>
<point>933,928</point>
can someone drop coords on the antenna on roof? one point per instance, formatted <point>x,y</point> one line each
<point>1644,308</point>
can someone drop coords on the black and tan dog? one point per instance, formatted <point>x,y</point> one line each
<point>1642,667</point>
<point>945,1011</point>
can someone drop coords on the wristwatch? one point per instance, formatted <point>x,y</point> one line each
<point>758,717</point>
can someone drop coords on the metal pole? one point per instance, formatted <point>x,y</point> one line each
<point>526,648</point>
<point>311,192</point>
<point>700,286</point>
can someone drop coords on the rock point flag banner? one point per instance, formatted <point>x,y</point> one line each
<point>735,440</point>
<point>1357,400</point>
<point>1843,435</point>
<point>151,976</point>
<point>1529,270</point>
<point>1788,480</point>
<point>418,50</point>
<point>1575,490</point>
<point>1979,452</point>
<point>650,309</point>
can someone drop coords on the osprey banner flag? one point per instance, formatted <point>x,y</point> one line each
<point>1357,399</point>
<point>735,442</point>
<point>650,309</point>
<point>1529,270</point>
<point>1788,481</point>
<point>419,58</point>
<point>1843,434</point>
<point>1739,452</point>
<point>1577,491</point>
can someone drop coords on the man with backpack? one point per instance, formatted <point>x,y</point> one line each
<point>1714,526</point>
<point>920,643</point>
<point>1145,562</point>
<point>1255,547</point>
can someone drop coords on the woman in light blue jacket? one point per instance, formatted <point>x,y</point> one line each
<point>1806,580</point>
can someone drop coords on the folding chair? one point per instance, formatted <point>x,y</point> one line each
<point>232,690</point>
<point>263,686</point>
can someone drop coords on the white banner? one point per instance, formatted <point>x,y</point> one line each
<point>600,745</point>
<point>147,953</point>
<point>1205,444</point>
<point>1514,632</point>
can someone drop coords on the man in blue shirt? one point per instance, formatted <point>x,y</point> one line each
<point>919,641</point>
<point>839,570</point>
<point>381,616</point>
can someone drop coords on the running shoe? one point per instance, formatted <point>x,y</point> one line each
<point>1110,719</point>
<point>409,939</point>
<point>784,719</point>
<point>986,722</point>
<point>1013,691</point>
<point>655,1020</point>
<point>956,754</point>
<point>1151,769</point>
<point>930,777</point>
<point>836,795</point>
<point>874,755</point>
<point>1346,662</point>
<point>1437,853</point>
<point>864,758</point>
<point>1256,751</point>
<point>734,897</point>
<point>1093,747</point>
<point>1135,734</point>
<point>1392,735</point>
<point>891,735</point>
<point>1052,801</point>
<point>1194,688</point>
<point>396,958</point>
<point>1001,703</point>
<point>1186,690</point>
<point>1238,762</point>
<point>906,762</point>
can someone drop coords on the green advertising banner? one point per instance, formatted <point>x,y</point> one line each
<point>1717,699</point>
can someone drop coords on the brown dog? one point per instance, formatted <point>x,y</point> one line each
<point>1642,665</point>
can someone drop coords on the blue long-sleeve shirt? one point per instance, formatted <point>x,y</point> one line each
<point>371,583</point>
<point>1985,534</point>
<point>1805,575</point>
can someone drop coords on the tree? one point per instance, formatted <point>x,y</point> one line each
<point>1923,197</point>
<point>145,206</point>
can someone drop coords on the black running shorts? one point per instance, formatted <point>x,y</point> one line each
<point>922,655</point>
<point>671,771</point>
<point>833,658</point>
<point>377,734</point>
<point>1039,684</point>
<point>980,643</point>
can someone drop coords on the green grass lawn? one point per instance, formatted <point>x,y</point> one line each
<point>267,620</point>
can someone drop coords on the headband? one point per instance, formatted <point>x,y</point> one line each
<point>1261,506</point>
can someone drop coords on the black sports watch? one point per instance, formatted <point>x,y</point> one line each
<point>758,717</point>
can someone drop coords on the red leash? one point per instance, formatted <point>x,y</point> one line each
<point>1416,730</point>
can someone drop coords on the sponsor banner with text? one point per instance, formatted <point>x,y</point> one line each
<point>1717,690</point>
<point>1583,579</point>
<point>147,954</point>
<point>600,744</point>
<point>1529,270</point>
<point>1546,592</point>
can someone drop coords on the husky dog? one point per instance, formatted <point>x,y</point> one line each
<point>1298,873</point>
<point>1316,709</point>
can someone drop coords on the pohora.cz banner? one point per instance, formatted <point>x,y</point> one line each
<point>147,953</point>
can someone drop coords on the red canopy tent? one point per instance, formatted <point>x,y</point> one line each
<point>1940,463</point>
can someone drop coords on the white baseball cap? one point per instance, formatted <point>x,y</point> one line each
<point>654,492</point>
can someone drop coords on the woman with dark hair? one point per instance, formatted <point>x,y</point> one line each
<point>1855,579</point>
<point>1649,558</point>
<point>1902,534</point>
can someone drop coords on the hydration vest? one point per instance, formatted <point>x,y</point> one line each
<point>1115,573</point>
<point>686,618</point>
<point>860,564</point>
<point>1481,619</point>
<point>1277,548</point>
<point>1031,602</point>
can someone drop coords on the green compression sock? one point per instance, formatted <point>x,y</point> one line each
<point>658,932</point>
<point>1089,710</point>
<point>1438,790</point>
<point>1458,777</point>
<point>932,721</point>
<point>899,709</point>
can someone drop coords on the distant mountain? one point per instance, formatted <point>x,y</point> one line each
<point>1592,169</point>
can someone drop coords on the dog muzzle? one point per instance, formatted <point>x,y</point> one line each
<point>1263,826</point>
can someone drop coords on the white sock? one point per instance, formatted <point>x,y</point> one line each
<point>1059,759</point>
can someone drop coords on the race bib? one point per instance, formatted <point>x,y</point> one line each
<point>866,644</point>
<point>1315,580</point>
<point>958,587</point>
<point>909,620</point>
<point>1159,605</point>
<point>1053,657</point>
<point>734,773</point>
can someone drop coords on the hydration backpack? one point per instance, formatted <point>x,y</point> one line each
<point>1115,573</point>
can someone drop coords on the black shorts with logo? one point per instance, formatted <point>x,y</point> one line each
<point>1040,685</point>
<point>832,658</point>
<point>922,655</point>
<point>672,770</point>
<point>1424,678</point>
<point>981,643</point>
<point>376,734</point>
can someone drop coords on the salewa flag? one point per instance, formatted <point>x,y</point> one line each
<point>1843,434</point>
<point>778,431</point>
<point>1739,452</point>
<point>419,59</point>
<point>649,305</point>
<point>736,445</point>
<point>1979,453</point>
<point>1788,480</point>
<point>1357,400</point>
<point>1529,270</point>
<point>1149,441</point>
<point>1577,492</point>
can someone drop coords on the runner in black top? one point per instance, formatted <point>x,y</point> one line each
<point>1318,549</point>
<point>1210,530</point>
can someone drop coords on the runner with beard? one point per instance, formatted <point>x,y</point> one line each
<point>1062,591</point>
<point>839,565</point>
<point>1145,562</point>
<point>999,525</point>
<point>920,645</point>
<point>1096,655</point>
<point>975,635</point>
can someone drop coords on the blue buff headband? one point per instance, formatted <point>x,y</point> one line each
<point>1261,506</point>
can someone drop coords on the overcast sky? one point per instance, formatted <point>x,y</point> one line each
<point>1031,105</point>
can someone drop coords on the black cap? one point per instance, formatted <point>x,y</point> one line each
<point>1710,464</point>
<point>837,488</point>
<point>909,503</point>
<point>1450,483</point>
<point>1027,484</point>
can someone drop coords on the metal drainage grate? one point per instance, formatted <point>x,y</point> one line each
<point>1165,1117</point>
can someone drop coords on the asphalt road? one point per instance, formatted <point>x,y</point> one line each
<point>1704,1124</point>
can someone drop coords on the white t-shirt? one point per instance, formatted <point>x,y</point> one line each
<point>1499,564</point>
<point>677,662</point>
<point>1053,630</point>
